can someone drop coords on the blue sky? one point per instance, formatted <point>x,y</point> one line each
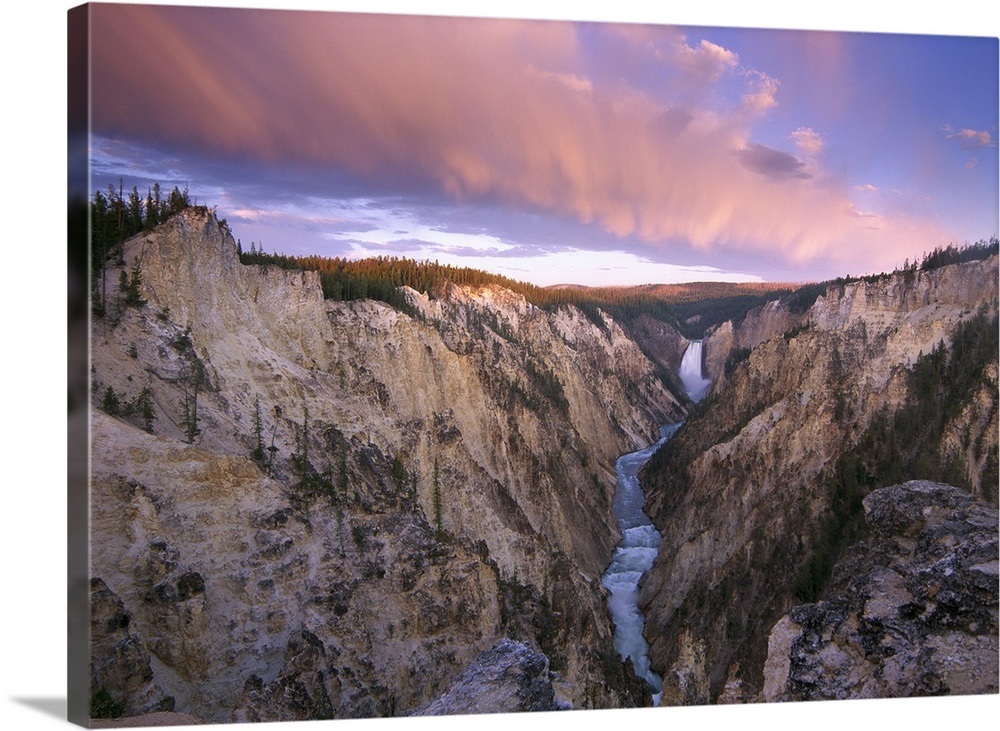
<point>596,153</point>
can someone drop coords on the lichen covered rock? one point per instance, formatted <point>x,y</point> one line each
<point>912,610</point>
<point>509,677</point>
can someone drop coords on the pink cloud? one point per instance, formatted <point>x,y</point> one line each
<point>763,93</point>
<point>971,139</point>
<point>808,140</point>
<point>705,61</point>
<point>494,109</point>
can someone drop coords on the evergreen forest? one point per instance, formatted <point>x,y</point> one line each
<point>691,308</point>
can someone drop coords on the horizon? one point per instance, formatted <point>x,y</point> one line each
<point>763,284</point>
<point>582,153</point>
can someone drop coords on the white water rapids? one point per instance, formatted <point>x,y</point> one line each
<point>633,556</point>
<point>636,551</point>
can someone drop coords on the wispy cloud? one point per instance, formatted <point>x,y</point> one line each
<point>574,82</point>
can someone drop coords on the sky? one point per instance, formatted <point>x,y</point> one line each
<point>554,151</point>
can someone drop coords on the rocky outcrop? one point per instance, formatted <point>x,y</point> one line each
<point>425,483</point>
<point>302,690</point>
<point>121,679</point>
<point>662,344</point>
<point>224,576</point>
<point>758,326</point>
<point>912,610</point>
<point>751,486</point>
<point>508,678</point>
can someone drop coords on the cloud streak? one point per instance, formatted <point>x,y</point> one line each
<point>507,112</point>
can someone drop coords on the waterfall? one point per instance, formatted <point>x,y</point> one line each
<point>694,382</point>
<point>633,556</point>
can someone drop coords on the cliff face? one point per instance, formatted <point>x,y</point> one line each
<point>340,507</point>
<point>662,343</point>
<point>424,485</point>
<point>895,303</point>
<point>223,573</point>
<point>758,326</point>
<point>751,489</point>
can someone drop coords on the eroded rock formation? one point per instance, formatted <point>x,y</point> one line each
<point>121,677</point>
<point>423,485</point>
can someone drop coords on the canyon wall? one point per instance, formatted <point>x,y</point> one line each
<point>751,492</point>
<point>757,326</point>
<point>422,486</point>
<point>304,508</point>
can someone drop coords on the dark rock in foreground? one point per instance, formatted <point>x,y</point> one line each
<point>508,678</point>
<point>912,612</point>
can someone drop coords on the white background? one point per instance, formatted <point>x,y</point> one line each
<point>32,390</point>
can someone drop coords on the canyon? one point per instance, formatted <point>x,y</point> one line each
<point>303,508</point>
<point>757,494</point>
<point>432,484</point>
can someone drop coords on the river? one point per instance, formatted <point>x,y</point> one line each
<point>636,551</point>
<point>633,556</point>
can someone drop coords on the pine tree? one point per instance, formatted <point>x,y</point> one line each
<point>300,460</point>
<point>258,434</point>
<point>134,212</point>
<point>177,201</point>
<point>122,291</point>
<point>155,213</point>
<point>342,478</point>
<point>118,210</point>
<point>189,420</point>
<point>438,524</point>
<point>99,246</point>
<point>149,221</point>
<point>143,406</point>
<point>192,379</point>
<point>111,403</point>
<point>133,289</point>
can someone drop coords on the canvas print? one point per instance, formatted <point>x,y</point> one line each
<point>447,365</point>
